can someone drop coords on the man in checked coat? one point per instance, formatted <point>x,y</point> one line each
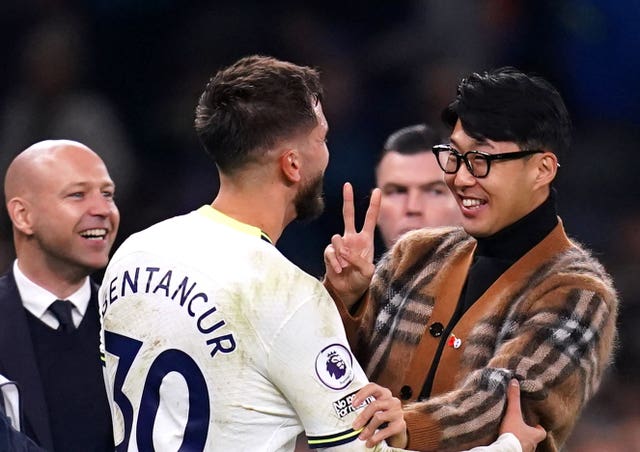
<point>450,315</point>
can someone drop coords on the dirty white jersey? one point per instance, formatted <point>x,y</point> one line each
<point>214,341</point>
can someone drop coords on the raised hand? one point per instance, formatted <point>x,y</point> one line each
<point>349,258</point>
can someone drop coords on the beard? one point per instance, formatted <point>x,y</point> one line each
<point>309,202</point>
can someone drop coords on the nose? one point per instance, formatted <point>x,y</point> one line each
<point>463,178</point>
<point>101,206</point>
<point>414,202</point>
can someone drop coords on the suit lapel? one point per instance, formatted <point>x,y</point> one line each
<point>18,361</point>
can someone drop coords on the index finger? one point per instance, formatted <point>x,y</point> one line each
<point>513,398</point>
<point>371,217</point>
<point>348,211</point>
<point>370,389</point>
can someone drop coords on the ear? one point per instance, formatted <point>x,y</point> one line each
<point>290,165</point>
<point>20,214</point>
<point>547,169</point>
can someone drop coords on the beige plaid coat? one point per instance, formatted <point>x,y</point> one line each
<point>549,320</point>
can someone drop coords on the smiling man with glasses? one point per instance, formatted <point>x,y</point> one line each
<point>448,316</point>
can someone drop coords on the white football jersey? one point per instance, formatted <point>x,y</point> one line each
<point>214,341</point>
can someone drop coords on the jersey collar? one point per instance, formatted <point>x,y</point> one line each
<point>220,217</point>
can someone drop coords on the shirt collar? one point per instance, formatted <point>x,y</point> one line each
<point>37,299</point>
<point>214,214</point>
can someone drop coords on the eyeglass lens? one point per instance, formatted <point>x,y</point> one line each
<point>450,162</point>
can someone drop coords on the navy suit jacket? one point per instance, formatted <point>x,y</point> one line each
<point>18,360</point>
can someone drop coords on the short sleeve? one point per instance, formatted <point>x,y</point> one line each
<point>311,363</point>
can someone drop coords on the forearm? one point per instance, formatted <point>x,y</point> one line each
<point>465,417</point>
<point>350,300</point>
<point>423,431</point>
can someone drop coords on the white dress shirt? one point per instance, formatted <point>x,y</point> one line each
<point>37,300</point>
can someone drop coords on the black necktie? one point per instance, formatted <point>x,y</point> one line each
<point>62,310</point>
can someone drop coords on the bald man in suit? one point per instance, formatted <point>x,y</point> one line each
<point>59,197</point>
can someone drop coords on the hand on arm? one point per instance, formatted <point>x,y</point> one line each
<point>513,422</point>
<point>349,258</point>
<point>382,419</point>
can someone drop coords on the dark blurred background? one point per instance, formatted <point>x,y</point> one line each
<point>124,76</point>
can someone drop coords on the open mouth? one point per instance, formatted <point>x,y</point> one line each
<point>472,203</point>
<point>94,234</point>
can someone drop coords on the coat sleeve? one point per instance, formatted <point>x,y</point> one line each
<point>359,322</point>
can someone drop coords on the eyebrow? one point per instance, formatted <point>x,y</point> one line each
<point>84,184</point>
<point>433,184</point>
<point>476,143</point>
<point>430,184</point>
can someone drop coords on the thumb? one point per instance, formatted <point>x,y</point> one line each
<point>541,433</point>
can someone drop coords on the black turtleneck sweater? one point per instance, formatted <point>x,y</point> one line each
<point>492,257</point>
<point>495,254</point>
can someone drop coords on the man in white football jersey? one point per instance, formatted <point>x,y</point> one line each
<point>213,340</point>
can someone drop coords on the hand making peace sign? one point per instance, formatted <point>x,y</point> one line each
<point>349,258</point>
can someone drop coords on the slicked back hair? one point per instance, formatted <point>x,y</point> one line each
<point>250,106</point>
<point>506,104</point>
<point>411,140</point>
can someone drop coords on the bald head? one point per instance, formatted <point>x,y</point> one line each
<point>30,168</point>
<point>60,199</point>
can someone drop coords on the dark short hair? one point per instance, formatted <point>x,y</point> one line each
<point>411,140</point>
<point>248,107</point>
<point>506,104</point>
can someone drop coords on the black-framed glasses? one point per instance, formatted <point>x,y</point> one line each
<point>477,162</point>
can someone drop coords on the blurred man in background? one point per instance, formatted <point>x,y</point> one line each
<point>414,194</point>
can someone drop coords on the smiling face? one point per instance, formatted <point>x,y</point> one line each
<point>69,219</point>
<point>510,191</point>
<point>414,195</point>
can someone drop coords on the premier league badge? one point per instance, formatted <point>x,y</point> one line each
<point>334,366</point>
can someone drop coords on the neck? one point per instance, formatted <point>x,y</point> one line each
<point>59,279</point>
<point>269,207</point>
<point>515,240</point>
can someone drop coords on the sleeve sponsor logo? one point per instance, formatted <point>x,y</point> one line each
<point>343,406</point>
<point>334,366</point>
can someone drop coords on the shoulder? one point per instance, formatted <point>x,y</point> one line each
<point>277,274</point>
<point>426,244</point>
<point>579,267</point>
<point>570,287</point>
<point>176,233</point>
<point>436,239</point>
<point>8,286</point>
<point>582,259</point>
<point>574,263</point>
